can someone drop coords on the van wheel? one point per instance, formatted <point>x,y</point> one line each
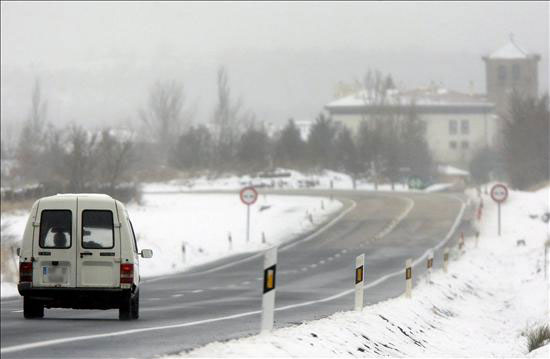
<point>125,308</point>
<point>135,306</point>
<point>32,308</point>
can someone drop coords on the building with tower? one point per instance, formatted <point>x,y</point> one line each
<point>509,69</point>
<point>457,123</point>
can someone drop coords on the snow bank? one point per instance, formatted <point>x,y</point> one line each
<point>325,180</point>
<point>482,307</point>
<point>201,222</point>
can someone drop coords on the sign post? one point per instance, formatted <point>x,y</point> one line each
<point>268,297</point>
<point>446,260</point>
<point>249,196</point>
<point>359,281</point>
<point>408,278</point>
<point>499,193</point>
<point>429,265</point>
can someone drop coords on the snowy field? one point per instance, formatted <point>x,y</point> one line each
<point>326,180</point>
<point>202,223</point>
<point>492,294</point>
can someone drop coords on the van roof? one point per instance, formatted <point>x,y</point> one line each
<point>69,197</point>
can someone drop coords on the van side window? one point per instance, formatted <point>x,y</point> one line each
<point>133,236</point>
<point>97,229</point>
<point>55,229</point>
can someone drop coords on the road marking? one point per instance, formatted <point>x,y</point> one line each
<point>313,265</point>
<point>330,258</point>
<point>321,262</point>
<point>197,291</point>
<point>45,343</point>
<point>283,247</point>
<point>17,311</point>
<point>245,282</point>
<point>177,295</point>
<point>337,255</point>
<point>304,269</point>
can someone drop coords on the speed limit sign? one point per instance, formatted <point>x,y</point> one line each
<point>499,193</point>
<point>249,195</point>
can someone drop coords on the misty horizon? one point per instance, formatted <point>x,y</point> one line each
<point>96,63</point>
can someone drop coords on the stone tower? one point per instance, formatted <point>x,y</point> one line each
<point>509,69</point>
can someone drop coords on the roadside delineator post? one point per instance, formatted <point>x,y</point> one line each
<point>477,238</point>
<point>429,264</point>
<point>408,278</point>
<point>230,241</point>
<point>461,242</point>
<point>263,237</point>
<point>360,275</point>
<point>322,205</point>
<point>268,297</point>
<point>446,260</point>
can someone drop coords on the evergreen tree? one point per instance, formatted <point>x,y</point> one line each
<point>320,144</point>
<point>289,147</point>
<point>253,152</point>
<point>346,154</point>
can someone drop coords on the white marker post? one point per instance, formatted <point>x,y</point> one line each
<point>408,278</point>
<point>499,193</point>
<point>360,275</point>
<point>249,196</point>
<point>446,260</point>
<point>268,297</point>
<point>429,264</point>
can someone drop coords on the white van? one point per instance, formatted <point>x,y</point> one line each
<point>79,251</point>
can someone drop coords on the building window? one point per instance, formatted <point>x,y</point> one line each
<point>515,72</point>
<point>465,145</point>
<point>453,127</point>
<point>502,73</point>
<point>465,127</point>
<point>452,145</point>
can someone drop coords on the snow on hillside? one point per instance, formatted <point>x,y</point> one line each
<point>165,222</point>
<point>481,308</point>
<point>203,223</point>
<point>325,180</point>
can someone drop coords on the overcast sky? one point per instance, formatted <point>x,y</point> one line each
<point>96,61</point>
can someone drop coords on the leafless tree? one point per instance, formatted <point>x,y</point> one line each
<point>165,116</point>
<point>31,141</point>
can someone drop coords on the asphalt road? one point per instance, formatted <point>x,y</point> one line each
<point>222,300</point>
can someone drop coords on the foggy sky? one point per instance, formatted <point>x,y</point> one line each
<point>96,61</point>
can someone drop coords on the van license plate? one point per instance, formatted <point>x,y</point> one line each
<point>57,275</point>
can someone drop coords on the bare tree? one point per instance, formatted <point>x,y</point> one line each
<point>80,159</point>
<point>228,121</point>
<point>31,141</point>
<point>165,117</point>
<point>114,157</point>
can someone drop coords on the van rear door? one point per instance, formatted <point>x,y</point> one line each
<point>54,243</point>
<point>98,245</point>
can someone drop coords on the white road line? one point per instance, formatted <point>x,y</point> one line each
<point>245,282</point>
<point>337,255</point>
<point>17,311</point>
<point>313,265</point>
<point>197,291</point>
<point>330,258</point>
<point>45,343</point>
<point>321,262</point>
<point>177,295</point>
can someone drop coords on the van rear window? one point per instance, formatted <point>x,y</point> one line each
<point>55,229</point>
<point>97,229</point>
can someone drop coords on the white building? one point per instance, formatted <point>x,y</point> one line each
<point>456,123</point>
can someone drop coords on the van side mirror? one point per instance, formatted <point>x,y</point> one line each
<point>146,253</point>
<point>18,252</point>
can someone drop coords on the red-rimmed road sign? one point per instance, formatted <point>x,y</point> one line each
<point>499,193</point>
<point>249,195</point>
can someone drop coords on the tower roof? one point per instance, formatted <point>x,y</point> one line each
<point>510,51</point>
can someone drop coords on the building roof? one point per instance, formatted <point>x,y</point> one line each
<point>425,99</point>
<point>511,51</point>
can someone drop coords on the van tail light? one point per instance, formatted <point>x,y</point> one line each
<point>126,273</point>
<point>25,272</point>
